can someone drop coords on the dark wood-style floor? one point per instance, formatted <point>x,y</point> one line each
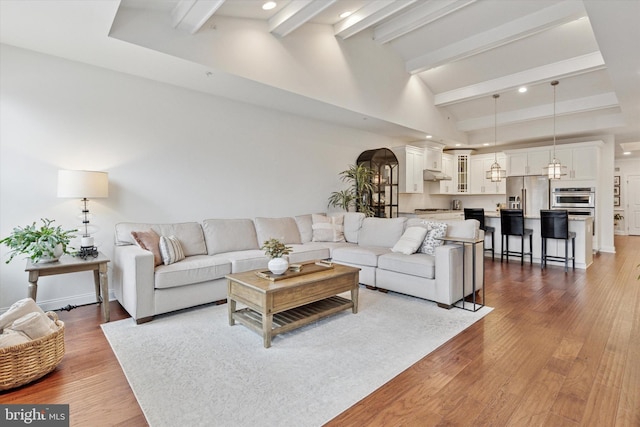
<point>558,350</point>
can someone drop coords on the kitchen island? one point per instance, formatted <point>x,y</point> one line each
<point>581,225</point>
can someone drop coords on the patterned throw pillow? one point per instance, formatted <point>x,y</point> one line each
<point>149,241</point>
<point>327,228</point>
<point>411,240</point>
<point>171,250</point>
<point>435,230</point>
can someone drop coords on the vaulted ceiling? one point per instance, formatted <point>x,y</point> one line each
<point>463,51</point>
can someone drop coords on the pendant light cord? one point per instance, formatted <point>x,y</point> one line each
<point>495,127</point>
<point>554,84</point>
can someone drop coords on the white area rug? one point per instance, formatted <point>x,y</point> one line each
<point>193,369</point>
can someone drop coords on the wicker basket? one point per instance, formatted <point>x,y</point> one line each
<point>20,364</point>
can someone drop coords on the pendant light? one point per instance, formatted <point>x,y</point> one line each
<point>555,169</point>
<point>495,173</point>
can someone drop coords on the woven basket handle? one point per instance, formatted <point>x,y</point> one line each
<point>52,315</point>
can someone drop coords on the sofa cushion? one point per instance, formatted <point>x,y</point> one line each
<point>308,252</point>
<point>171,250</point>
<point>411,240</point>
<point>304,223</point>
<point>352,226</point>
<point>189,233</point>
<point>283,229</point>
<point>383,232</point>
<point>229,235</point>
<point>149,240</point>
<point>242,261</point>
<point>193,269</point>
<point>421,265</point>
<point>359,255</point>
<point>327,228</point>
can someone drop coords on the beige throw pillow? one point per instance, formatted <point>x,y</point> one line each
<point>410,241</point>
<point>327,228</point>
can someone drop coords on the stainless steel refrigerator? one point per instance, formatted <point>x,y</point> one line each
<point>529,193</point>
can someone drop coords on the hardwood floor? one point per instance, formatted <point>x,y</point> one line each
<point>558,350</point>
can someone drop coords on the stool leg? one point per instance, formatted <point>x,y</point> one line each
<point>530,249</point>
<point>522,249</point>
<point>566,255</point>
<point>493,246</point>
<point>502,246</point>
<point>542,252</point>
<point>573,252</point>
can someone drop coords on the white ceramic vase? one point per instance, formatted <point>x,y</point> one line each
<point>57,253</point>
<point>278,265</point>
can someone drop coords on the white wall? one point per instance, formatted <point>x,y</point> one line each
<point>624,168</point>
<point>172,155</point>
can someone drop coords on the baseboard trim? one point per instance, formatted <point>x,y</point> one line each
<point>58,303</point>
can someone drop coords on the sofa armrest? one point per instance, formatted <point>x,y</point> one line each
<point>448,285</point>
<point>133,280</point>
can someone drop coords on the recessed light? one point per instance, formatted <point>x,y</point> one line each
<point>458,145</point>
<point>522,89</point>
<point>486,144</point>
<point>627,153</point>
<point>345,14</point>
<point>428,136</point>
<point>269,5</point>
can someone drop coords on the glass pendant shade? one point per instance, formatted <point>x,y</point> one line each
<point>555,169</point>
<point>496,173</point>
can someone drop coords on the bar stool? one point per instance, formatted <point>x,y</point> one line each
<point>512,224</point>
<point>554,224</point>
<point>478,215</point>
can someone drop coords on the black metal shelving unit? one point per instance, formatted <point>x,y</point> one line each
<point>384,163</point>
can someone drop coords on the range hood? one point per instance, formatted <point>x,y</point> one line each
<point>428,175</point>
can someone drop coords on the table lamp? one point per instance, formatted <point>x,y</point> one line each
<point>84,185</point>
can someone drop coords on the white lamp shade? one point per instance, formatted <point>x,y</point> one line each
<point>83,184</point>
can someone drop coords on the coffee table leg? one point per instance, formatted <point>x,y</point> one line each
<point>267,321</point>
<point>354,298</point>
<point>231,303</point>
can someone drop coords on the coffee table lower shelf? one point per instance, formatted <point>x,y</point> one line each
<point>288,320</point>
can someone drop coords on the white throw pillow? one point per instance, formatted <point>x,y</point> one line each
<point>171,250</point>
<point>327,228</point>
<point>410,241</point>
<point>436,229</point>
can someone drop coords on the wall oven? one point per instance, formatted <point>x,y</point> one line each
<point>580,201</point>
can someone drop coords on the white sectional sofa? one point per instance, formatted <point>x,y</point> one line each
<point>218,247</point>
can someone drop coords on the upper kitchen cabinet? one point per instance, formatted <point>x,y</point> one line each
<point>478,182</point>
<point>411,163</point>
<point>433,157</point>
<point>581,161</point>
<point>527,162</point>
<point>444,186</point>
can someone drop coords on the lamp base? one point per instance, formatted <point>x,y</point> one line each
<point>88,251</point>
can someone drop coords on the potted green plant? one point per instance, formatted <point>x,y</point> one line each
<point>359,194</point>
<point>276,250</point>
<point>617,217</point>
<point>42,244</point>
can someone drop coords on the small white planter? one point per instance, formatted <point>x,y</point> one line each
<point>57,253</point>
<point>278,265</point>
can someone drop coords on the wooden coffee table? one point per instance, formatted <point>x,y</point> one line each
<point>278,306</point>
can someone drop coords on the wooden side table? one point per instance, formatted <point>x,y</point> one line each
<point>71,264</point>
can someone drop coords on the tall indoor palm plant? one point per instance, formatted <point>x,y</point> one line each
<point>359,194</point>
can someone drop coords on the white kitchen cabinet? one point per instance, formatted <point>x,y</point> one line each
<point>478,181</point>
<point>461,173</point>
<point>411,163</point>
<point>433,158</point>
<point>581,162</point>
<point>446,186</point>
<point>530,162</point>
